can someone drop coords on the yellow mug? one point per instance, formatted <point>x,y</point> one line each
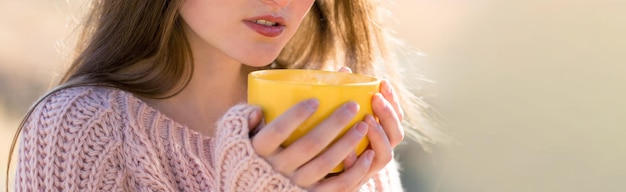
<point>277,90</point>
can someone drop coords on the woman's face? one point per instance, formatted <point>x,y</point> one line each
<point>252,32</point>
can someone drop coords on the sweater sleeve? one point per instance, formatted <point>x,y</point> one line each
<point>69,143</point>
<point>238,166</point>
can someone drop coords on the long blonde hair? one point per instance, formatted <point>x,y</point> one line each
<point>147,36</point>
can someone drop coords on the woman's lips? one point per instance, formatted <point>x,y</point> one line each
<point>267,25</point>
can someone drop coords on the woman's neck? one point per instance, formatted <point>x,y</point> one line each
<point>217,83</point>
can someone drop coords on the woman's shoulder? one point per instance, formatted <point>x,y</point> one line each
<point>87,105</point>
<point>79,105</point>
<point>72,135</point>
<point>88,98</point>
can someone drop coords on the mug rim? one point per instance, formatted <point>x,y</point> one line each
<point>258,76</point>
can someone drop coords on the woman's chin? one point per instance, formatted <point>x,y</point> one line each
<point>257,65</point>
<point>259,62</point>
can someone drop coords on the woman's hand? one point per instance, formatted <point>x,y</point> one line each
<point>299,161</point>
<point>385,134</point>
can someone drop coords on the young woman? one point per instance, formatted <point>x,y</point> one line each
<point>154,101</point>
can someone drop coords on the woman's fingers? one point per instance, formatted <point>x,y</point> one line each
<point>350,179</point>
<point>319,167</point>
<point>311,144</point>
<point>350,160</point>
<point>388,119</point>
<point>379,143</point>
<point>388,93</point>
<point>267,140</point>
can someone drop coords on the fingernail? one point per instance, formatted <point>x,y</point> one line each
<point>379,99</point>
<point>370,119</point>
<point>361,128</point>
<point>352,107</point>
<point>254,114</point>
<point>387,87</point>
<point>353,154</point>
<point>313,104</point>
<point>369,155</point>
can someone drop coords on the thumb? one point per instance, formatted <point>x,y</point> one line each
<point>255,121</point>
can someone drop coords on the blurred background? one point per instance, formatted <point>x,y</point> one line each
<point>532,91</point>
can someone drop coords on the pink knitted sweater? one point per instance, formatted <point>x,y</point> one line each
<point>104,139</point>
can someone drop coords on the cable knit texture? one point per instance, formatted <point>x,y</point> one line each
<point>104,139</point>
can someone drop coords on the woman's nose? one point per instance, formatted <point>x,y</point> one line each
<point>279,3</point>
